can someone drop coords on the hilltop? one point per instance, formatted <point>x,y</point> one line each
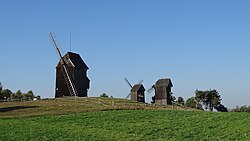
<point>70,105</point>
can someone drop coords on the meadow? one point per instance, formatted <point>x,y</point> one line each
<point>123,124</point>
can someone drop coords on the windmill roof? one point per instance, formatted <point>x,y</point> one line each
<point>164,83</point>
<point>137,87</point>
<point>73,60</point>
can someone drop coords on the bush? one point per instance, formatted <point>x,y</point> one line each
<point>104,95</point>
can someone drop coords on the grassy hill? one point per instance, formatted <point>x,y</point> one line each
<point>74,123</point>
<point>70,105</point>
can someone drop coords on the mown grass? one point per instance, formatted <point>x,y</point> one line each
<point>129,125</point>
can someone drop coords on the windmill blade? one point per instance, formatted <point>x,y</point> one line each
<point>140,81</point>
<point>150,90</point>
<point>128,95</point>
<point>126,80</point>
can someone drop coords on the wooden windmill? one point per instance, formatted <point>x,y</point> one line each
<point>71,73</point>
<point>136,92</point>
<point>163,94</point>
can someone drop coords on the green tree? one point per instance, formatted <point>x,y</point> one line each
<point>180,100</point>
<point>18,95</point>
<point>193,103</point>
<point>5,94</point>
<point>104,95</point>
<point>38,97</point>
<point>11,97</point>
<point>25,96</point>
<point>190,102</point>
<point>30,95</point>
<point>209,98</point>
<point>221,108</point>
<point>243,108</point>
<point>1,87</point>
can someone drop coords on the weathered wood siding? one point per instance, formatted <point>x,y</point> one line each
<point>78,71</point>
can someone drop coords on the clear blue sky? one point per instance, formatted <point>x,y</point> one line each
<point>198,44</point>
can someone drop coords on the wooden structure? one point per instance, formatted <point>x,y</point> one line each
<point>137,93</point>
<point>163,94</point>
<point>78,72</point>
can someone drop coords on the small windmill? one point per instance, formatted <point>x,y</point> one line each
<point>65,71</point>
<point>136,92</point>
<point>163,94</point>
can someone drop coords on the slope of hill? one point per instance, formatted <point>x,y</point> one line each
<point>129,125</point>
<point>116,119</point>
<point>70,105</point>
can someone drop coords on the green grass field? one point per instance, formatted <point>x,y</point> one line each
<point>120,124</point>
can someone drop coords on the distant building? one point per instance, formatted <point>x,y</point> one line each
<point>78,70</point>
<point>163,91</point>
<point>137,93</point>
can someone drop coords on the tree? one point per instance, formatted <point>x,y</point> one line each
<point>180,100</point>
<point>5,94</point>
<point>30,95</point>
<point>1,87</point>
<point>193,103</point>
<point>18,95</point>
<point>243,108</point>
<point>209,98</point>
<point>11,97</point>
<point>25,97</point>
<point>104,95</point>
<point>38,97</point>
<point>190,102</point>
<point>221,108</point>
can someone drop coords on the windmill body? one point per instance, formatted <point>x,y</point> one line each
<point>163,94</point>
<point>78,71</point>
<point>137,93</point>
<point>163,91</point>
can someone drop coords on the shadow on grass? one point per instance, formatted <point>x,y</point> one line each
<point>7,109</point>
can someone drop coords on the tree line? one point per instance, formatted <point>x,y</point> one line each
<point>243,108</point>
<point>208,100</point>
<point>204,100</point>
<point>7,95</point>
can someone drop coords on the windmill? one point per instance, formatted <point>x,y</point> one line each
<point>136,92</point>
<point>65,71</point>
<point>163,94</point>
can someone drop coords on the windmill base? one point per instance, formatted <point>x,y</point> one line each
<point>162,102</point>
